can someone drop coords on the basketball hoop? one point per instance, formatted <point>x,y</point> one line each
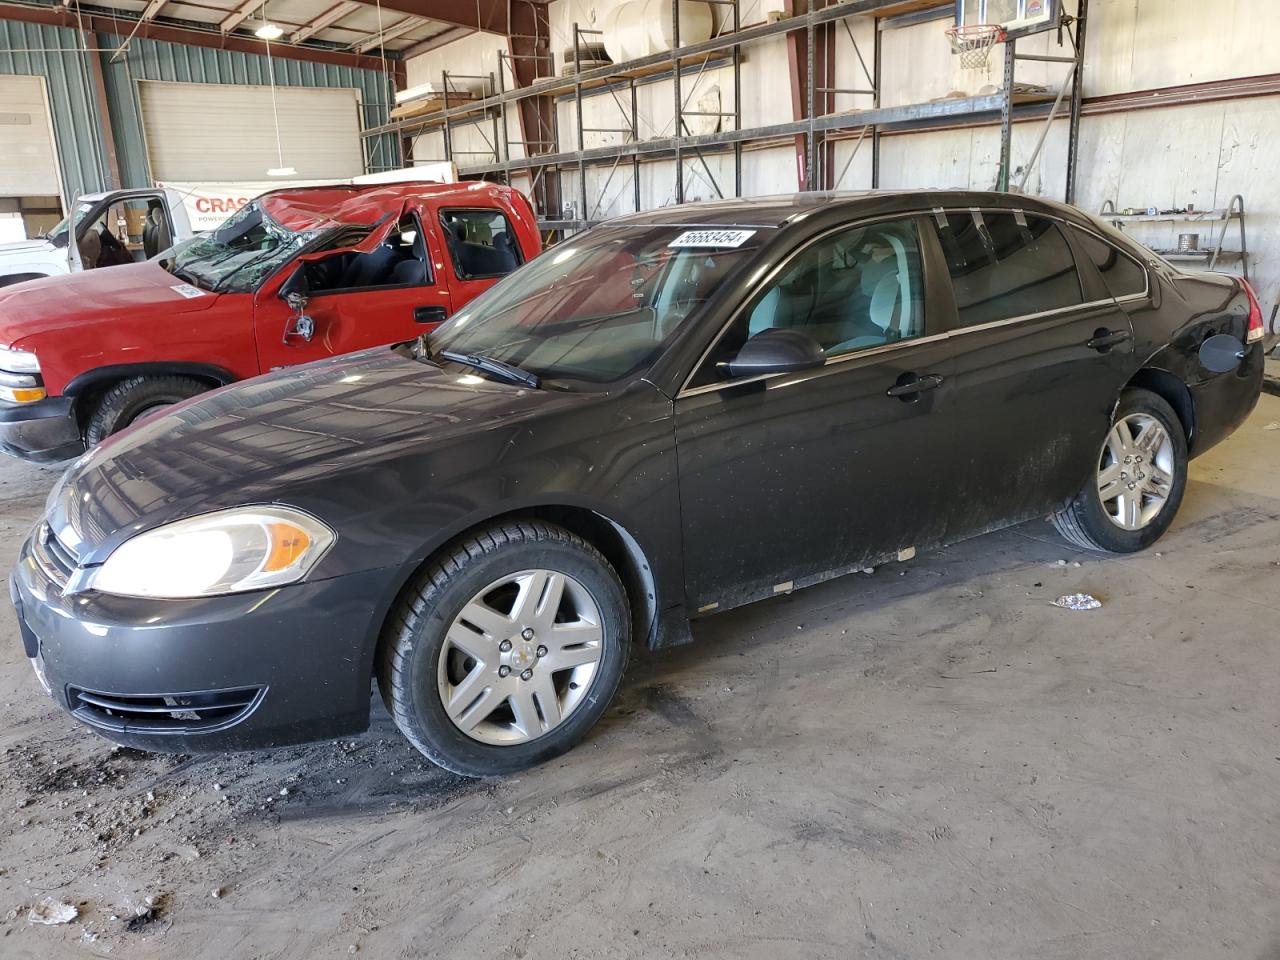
<point>973,42</point>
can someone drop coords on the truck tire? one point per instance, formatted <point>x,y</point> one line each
<point>131,400</point>
<point>506,649</point>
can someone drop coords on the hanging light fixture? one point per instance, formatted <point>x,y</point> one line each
<point>268,32</point>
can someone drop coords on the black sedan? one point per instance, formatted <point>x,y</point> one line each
<point>667,416</point>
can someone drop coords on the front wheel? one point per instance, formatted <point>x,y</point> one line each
<point>505,651</point>
<point>1137,487</point>
<point>131,400</point>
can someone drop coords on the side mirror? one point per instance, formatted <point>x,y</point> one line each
<point>778,350</point>
<point>293,292</point>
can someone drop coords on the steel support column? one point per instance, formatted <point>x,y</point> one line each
<point>529,52</point>
<point>1006,116</point>
<point>811,59</point>
<point>1077,91</point>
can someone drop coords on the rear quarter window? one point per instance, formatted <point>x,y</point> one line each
<point>1123,275</point>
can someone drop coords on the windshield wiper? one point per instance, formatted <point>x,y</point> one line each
<point>507,371</point>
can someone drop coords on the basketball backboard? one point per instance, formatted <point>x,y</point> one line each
<point>1018,17</point>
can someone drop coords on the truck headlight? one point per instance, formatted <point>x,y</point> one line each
<point>20,387</point>
<point>231,551</point>
<point>18,361</point>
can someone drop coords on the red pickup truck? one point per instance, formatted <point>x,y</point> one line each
<point>295,275</point>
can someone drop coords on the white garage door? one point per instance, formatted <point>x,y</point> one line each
<point>30,166</point>
<point>216,131</point>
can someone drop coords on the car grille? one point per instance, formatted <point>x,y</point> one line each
<point>56,559</point>
<point>172,713</point>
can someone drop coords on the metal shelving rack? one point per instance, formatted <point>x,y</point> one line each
<point>546,163</point>
<point>1219,220</point>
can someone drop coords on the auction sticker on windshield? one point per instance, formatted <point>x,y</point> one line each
<point>187,290</point>
<point>712,238</point>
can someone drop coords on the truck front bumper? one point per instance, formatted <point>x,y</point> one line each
<point>43,432</point>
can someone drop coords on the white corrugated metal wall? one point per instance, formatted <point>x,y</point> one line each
<point>1200,153</point>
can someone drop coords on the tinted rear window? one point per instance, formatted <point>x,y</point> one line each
<point>1001,268</point>
<point>1122,274</point>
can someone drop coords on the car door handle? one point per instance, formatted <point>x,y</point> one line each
<point>1106,339</point>
<point>436,314</point>
<point>909,388</point>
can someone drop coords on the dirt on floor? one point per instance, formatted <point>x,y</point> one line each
<point>931,760</point>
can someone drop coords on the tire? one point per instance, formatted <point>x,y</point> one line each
<point>433,658</point>
<point>1095,523</point>
<point>128,400</point>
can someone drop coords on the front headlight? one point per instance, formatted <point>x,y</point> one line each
<point>231,551</point>
<point>18,361</point>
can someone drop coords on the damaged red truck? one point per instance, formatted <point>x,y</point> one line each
<point>296,275</point>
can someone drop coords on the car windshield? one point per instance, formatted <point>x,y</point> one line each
<point>599,307</point>
<point>236,257</point>
<point>57,235</point>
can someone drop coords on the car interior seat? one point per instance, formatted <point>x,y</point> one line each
<point>479,259</point>
<point>370,269</point>
<point>155,232</point>
<point>410,271</point>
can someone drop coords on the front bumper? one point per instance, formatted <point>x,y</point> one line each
<point>238,672</point>
<point>44,432</point>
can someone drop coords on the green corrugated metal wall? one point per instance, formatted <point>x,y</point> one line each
<point>34,49</point>
<point>77,123</point>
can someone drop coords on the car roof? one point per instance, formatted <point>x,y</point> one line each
<point>308,208</point>
<point>780,209</point>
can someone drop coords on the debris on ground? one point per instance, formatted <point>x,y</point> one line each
<point>151,911</point>
<point>50,911</point>
<point>1077,601</point>
<point>1273,425</point>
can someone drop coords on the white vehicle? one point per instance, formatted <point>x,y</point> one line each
<point>112,228</point>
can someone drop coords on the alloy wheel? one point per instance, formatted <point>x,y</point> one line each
<point>1135,471</point>
<point>520,657</point>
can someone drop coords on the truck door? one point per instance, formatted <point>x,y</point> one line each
<point>382,290</point>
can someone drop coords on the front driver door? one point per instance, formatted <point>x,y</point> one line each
<point>793,478</point>
<point>382,292</point>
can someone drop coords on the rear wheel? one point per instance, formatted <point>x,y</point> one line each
<point>130,400</point>
<point>507,650</point>
<point>1139,481</point>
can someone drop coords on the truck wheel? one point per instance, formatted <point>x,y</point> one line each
<point>506,649</point>
<point>130,400</point>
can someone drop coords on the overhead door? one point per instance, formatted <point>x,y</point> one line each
<point>30,166</point>
<point>215,131</point>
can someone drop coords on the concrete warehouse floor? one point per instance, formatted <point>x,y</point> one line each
<point>929,761</point>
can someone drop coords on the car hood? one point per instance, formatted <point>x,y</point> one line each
<point>295,429</point>
<point>52,303</point>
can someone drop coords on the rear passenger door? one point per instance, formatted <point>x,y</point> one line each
<point>1041,351</point>
<point>481,248</point>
